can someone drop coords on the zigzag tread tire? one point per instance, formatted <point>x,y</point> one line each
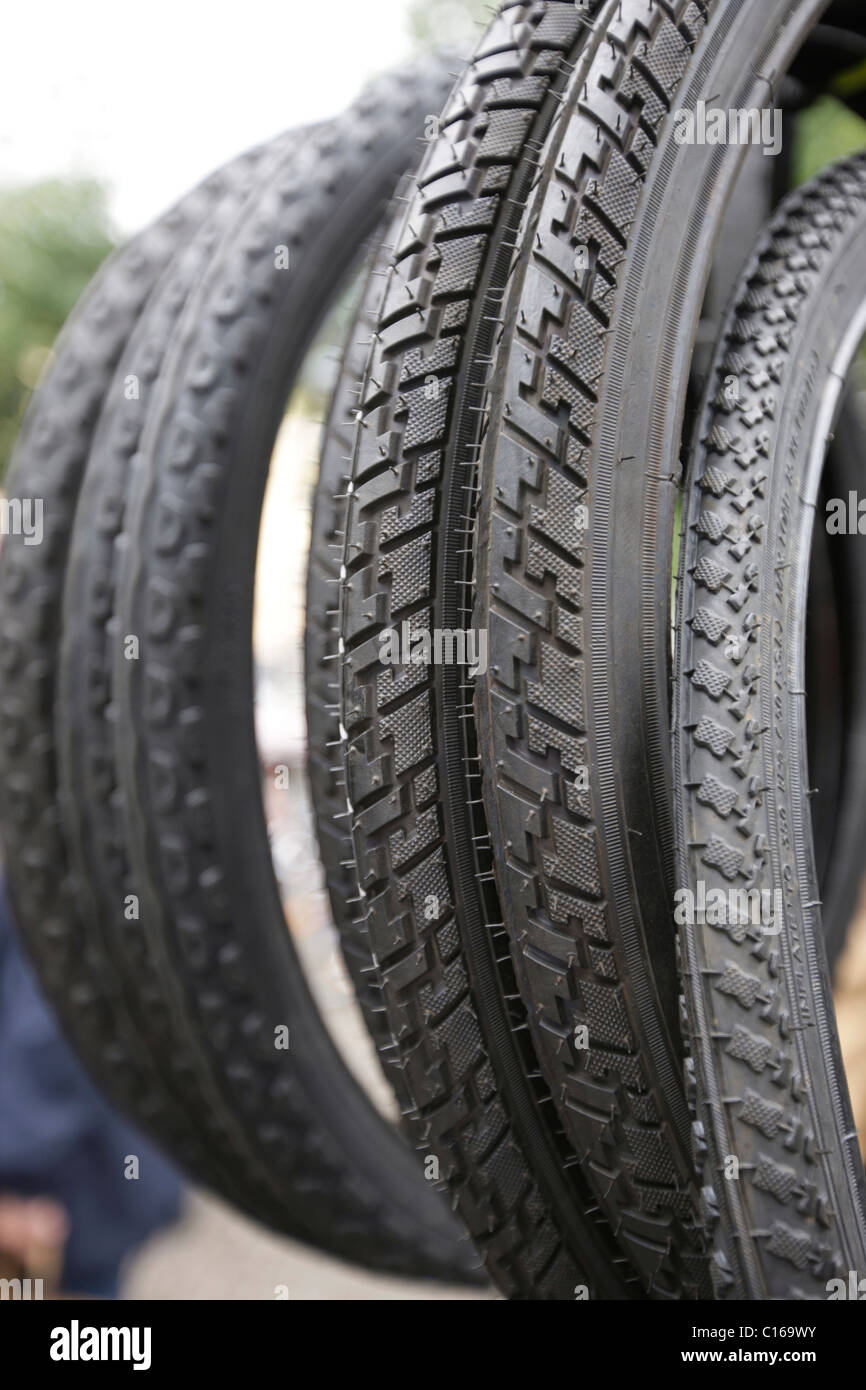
<point>458,1032</point>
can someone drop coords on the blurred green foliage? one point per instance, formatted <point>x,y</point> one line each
<point>827,131</point>
<point>53,236</point>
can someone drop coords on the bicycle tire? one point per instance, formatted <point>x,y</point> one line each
<point>416,1237</point>
<point>618,91</point>
<point>184,741</point>
<point>768,1078</point>
<point>49,462</point>
<point>511,1179</point>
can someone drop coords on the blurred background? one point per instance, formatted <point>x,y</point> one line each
<point>108,114</point>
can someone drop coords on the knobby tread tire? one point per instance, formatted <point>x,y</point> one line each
<point>91,797</point>
<point>184,736</point>
<point>300,1172</point>
<point>765,1073</point>
<point>49,462</point>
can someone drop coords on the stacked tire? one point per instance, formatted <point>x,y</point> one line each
<point>592,364</point>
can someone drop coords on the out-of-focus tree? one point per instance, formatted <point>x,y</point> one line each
<point>825,132</point>
<point>53,235</point>
<point>448,23</point>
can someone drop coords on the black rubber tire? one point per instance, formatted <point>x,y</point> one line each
<point>836,619</point>
<point>184,736</point>
<point>824,706</point>
<point>585,412</point>
<point>836,693</point>
<point>287,1136</point>
<point>49,461</point>
<point>769,1086</point>
<point>321,673</point>
<point>583,925</point>
<point>457,1039</point>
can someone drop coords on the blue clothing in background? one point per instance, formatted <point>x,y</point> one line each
<point>60,1139</point>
